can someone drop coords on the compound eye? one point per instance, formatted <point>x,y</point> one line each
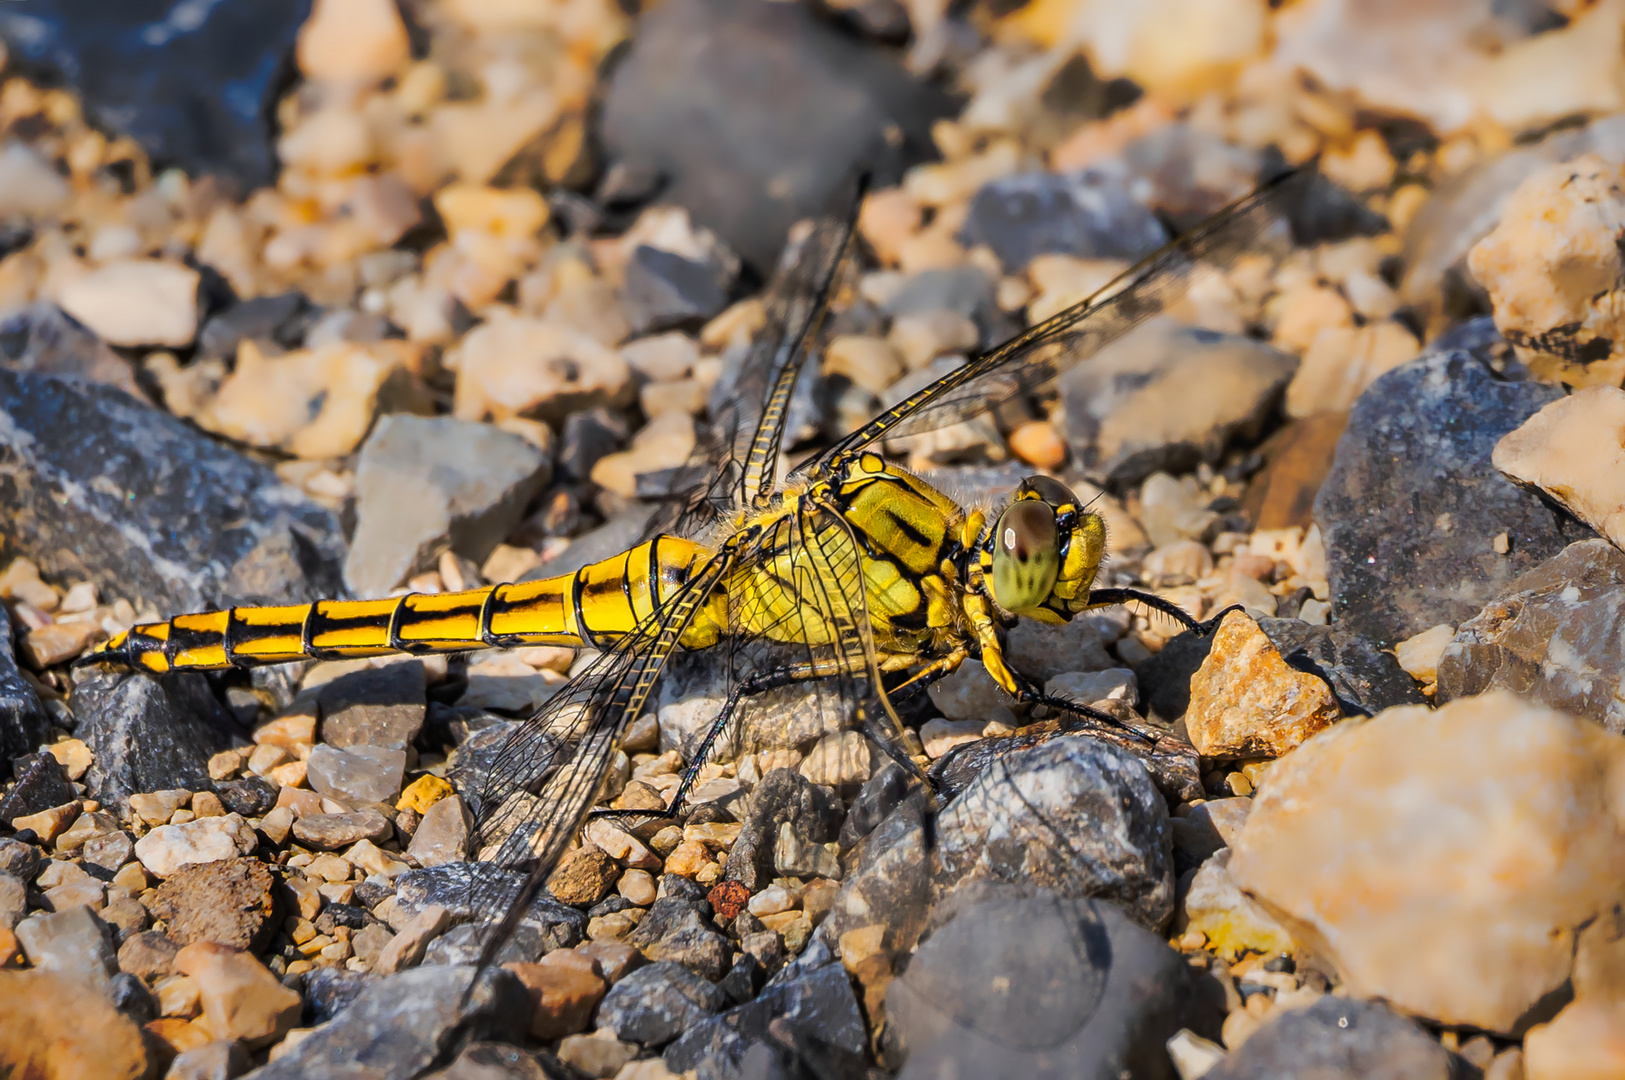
<point>1026,555</point>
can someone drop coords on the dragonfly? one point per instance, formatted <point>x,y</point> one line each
<point>851,576</point>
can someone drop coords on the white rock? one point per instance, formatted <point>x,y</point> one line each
<point>971,694</point>
<point>1443,860</point>
<point>136,302</point>
<point>1420,654</point>
<point>170,848</point>
<point>940,736</point>
<point>1233,922</point>
<point>1574,451</point>
<point>512,365</point>
<point>1113,684</point>
<point>29,187</point>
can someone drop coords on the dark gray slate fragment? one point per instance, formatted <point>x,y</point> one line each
<point>666,290</point>
<point>888,879</point>
<point>196,87</point>
<point>1073,815</point>
<point>1365,678</point>
<point>148,734</point>
<point>1554,635</point>
<point>482,892</point>
<point>23,719</point>
<point>1341,1039</point>
<point>814,813</point>
<point>817,1007</point>
<point>249,796</point>
<point>655,1004</point>
<point>1412,505</point>
<point>41,784</point>
<point>401,1024</point>
<point>96,486</point>
<point>426,484</point>
<point>674,930</point>
<point>45,339</point>
<point>329,991</point>
<point>281,319</point>
<point>754,114</point>
<point>19,859</point>
<point>491,1061</point>
<point>1088,214</point>
<point>1045,987</point>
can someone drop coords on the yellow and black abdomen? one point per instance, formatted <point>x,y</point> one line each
<point>594,606</point>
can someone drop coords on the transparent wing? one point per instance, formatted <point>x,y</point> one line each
<point>1028,361</point>
<point>733,461</point>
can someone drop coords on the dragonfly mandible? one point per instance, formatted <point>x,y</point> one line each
<point>853,574</point>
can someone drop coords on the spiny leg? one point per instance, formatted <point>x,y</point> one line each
<point>1109,597</point>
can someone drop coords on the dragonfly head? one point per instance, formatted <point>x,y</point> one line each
<point>1042,554</point>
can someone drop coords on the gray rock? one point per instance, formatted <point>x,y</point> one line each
<point>1088,214</point>
<point>1365,678</point>
<point>428,484</point>
<point>491,1061</point>
<point>1167,396</point>
<point>357,776</point>
<point>401,1024</point>
<point>1412,506</point>
<point>232,901</point>
<point>1073,815</point>
<point>19,859</point>
<point>250,796</point>
<point>665,290</point>
<point>101,488</point>
<point>655,1004</point>
<point>1190,173</point>
<point>103,855</point>
<point>329,991</point>
<point>747,155</point>
<point>282,319</point>
<point>41,784</point>
<point>147,954</point>
<point>148,734</point>
<point>966,290</point>
<point>23,719</point>
<point>783,795</point>
<point>888,880</point>
<point>442,835</point>
<point>223,1060</point>
<point>382,706</point>
<point>588,436</point>
<point>13,900</point>
<point>806,1022</point>
<point>674,930</point>
<point>480,894</point>
<point>1553,636</point>
<point>45,339</point>
<point>330,832</point>
<point>131,997</point>
<point>74,943</point>
<point>1340,1039</point>
<point>1045,987</point>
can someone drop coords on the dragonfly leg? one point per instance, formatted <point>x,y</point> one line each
<point>1108,597</point>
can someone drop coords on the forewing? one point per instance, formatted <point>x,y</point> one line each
<point>1031,359</point>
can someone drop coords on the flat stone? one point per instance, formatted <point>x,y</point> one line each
<point>381,706</point>
<point>424,485</point>
<point>1412,507</point>
<point>1246,701</point>
<point>170,848</point>
<point>1552,636</point>
<point>1340,1039</point>
<point>230,902</point>
<point>1477,922</point>
<point>239,997</point>
<point>357,776</point>
<point>1044,987</point>
<point>655,1004</point>
<point>73,943</point>
<point>79,447</point>
<point>108,852</point>
<point>1572,450</point>
<point>565,988</point>
<point>48,824</point>
<point>405,949</point>
<point>400,1025</point>
<point>136,302</point>
<point>330,832</point>
<point>443,834</point>
<point>1087,214</point>
<point>1167,396</point>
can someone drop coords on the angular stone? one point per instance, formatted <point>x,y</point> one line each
<point>783,796</point>
<point>1574,451</point>
<point>80,447</point>
<point>13,900</point>
<point>86,1034</point>
<point>240,998</point>
<point>357,776</point>
<point>1085,214</point>
<point>442,836</point>
<point>1477,920</point>
<point>1166,397</point>
<point>219,1060</point>
<point>665,290</point>
<point>1246,701</point>
<point>425,485</point>
<point>382,706</point>
<point>230,902</point>
<point>41,785</point>
<point>655,1004</point>
<point>565,988</point>
<point>674,931</point>
<point>1412,507</point>
<point>1233,922</point>
<point>330,832</point>
<point>817,1006</point>
<point>405,949</point>
<point>18,859</point>
<point>169,848</point>
<point>148,954</point>
<point>136,302</point>
<point>1045,987</point>
<point>583,877</point>
<point>1339,1039</point>
<point>1552,636</point>
<point>23,720</point>
<point>250,796</point>
<point>148,734</point>
<point>72,943</point>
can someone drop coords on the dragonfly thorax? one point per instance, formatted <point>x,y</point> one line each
<point>1041,554</point>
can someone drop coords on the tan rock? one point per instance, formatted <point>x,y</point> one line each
<point>870,362</point>
<point>353,41</point>
<point>1342,361</point>
<point>1443,861</point>
<point>29,187</point>
<point>169,848</point>
<point>661,444</point>
<point>512,365</point>
<point>1586,1041</point>
<point>475,139</point>
<point>411,938</point>
<point>136,302</point>
<point>54,1027</point>
<point>583,877</point>
<point>1553,271</point>
<point>565,988</point>
<point>921,337</point>
<point>1247,702</point>
<point>1420,654</point>
<point>1038,443</point>
<point>239,997</point>
<point>1574,451</point>
<point>1233,922</point>
<point>48,824</point>
<point>55,643</point>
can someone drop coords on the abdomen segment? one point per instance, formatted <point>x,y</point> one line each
<point>593,606</point>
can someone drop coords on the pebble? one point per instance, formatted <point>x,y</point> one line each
<point>330,832</point>
<point>1341,1040</point>
<point>32,188</point>
<point>136,302</point>
<point>813,1002</point>
<point>1342,361</point>
<point>841,760</point>
<point>84,1033</point>
<point>565,987</point>
<point>1573,450</point>
<point>48,824</point>
<point>1086,214</point>
<point>1550,266</point>
<point>50,645</point>
<point>1475,928</point>
<point>357,776</point>
<point>1583,1040</point>
<point>939,736</point>
<point>598,1054</point>
<point>1247,702</point>
<point>511,366</point>
<point>352,41</point>
<point>1551,637</point>
<point>169,848</point>
<point>655,1004</point>
<point>374,706</point>
<point>584,877</point>
<point>443,834</point>
<point>13,900</point>
<point>73,943</point>
<point>870,362</point>
<point>406,948</point>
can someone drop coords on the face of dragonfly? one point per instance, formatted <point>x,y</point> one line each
<point>1046,551</point>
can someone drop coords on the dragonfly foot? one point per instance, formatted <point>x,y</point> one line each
<point>1206,629</point>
